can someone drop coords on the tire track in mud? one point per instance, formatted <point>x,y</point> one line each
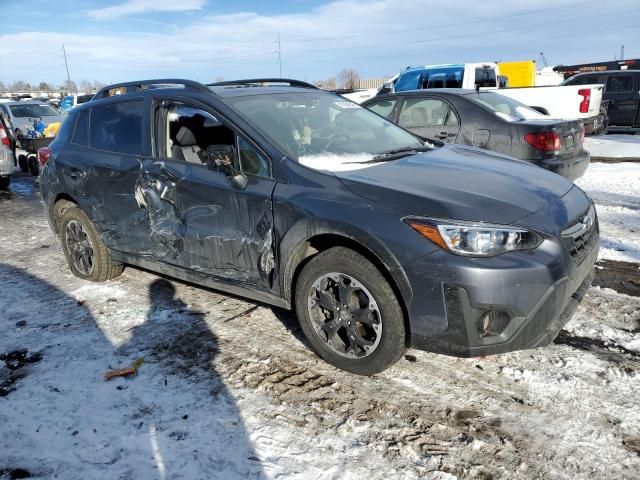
<point>409,436</point>
<point>623,277</point>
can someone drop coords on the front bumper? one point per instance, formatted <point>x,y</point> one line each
<point>534,292</point>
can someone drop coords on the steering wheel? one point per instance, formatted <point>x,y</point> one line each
<point>337,139</point>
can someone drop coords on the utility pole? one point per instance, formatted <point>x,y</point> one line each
<point>280,54</point>
<point>622,52</point>
<point>66,64</point>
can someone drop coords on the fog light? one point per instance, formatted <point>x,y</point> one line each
<point>493,322</point>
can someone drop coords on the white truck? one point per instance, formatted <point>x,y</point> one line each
<point>579,102</point>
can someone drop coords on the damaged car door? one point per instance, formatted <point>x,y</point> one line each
<point>207,210</point>
<point>101,166</point>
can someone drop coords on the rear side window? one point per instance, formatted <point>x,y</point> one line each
<point>66,129</point>
<point>81,133</point>
<point>117,127</point>
<point>383,107</point>
<point>486,77</point>
<point>582,80</point>
<point>619,83</point>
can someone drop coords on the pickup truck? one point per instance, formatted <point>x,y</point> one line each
<point>581,102</point>
<point>621,92</point>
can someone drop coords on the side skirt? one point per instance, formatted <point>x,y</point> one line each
<point>201,279</point>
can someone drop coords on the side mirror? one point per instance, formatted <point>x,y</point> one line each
<point>239,180</point>
<point>223,158</point>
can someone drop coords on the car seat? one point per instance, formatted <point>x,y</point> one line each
<point>185,147</point>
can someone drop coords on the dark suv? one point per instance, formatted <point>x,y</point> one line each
<point>293,196</point>
<point>621,93</point>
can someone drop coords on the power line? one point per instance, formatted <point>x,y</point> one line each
<point>466,35</point>
<point>446,25</point>
<point>484,45</point>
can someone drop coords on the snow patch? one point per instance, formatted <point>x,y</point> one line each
<point>337,163</point>
<point>614,146</point>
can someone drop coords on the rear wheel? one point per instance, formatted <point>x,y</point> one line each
<point>33,165</point>
<point>22,162</point>
<point>4,182</point>
<point>85,252</point>
<point>349,312</point>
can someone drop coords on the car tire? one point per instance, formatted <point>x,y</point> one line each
<point>363,348</point>
<point>4,182</point>
<point>22,163</point>
<point>34,167</point>
<point>86,254</point>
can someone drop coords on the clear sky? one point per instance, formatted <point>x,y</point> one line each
<point>117,40</point>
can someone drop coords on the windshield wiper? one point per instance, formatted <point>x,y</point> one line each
<point>396,153</point>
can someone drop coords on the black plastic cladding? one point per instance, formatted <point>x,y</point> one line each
<point>193,223</point>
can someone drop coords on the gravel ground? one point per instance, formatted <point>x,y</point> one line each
<point>229,389</point>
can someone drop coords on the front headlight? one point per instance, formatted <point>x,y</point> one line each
<point>474,239</point>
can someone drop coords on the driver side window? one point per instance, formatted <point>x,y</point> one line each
<point>194,136</point>
<point>424,112</point>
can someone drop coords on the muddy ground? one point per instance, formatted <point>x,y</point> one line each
<point>230,389</point>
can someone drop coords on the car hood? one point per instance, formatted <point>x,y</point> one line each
<point>461,183</point>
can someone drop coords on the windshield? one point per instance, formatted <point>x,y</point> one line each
<point>322,130</point>
<point>505,107</point>
<point>33,111</point>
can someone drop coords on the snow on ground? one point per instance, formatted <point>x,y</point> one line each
<point>613,146</point>
<point>230,390</point>
<point>615,187</point>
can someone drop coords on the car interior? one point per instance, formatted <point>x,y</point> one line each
<point>195,136</point>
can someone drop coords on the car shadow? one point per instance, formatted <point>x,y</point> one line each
<point>175,418</point>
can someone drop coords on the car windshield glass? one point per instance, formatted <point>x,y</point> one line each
<point>33,111</point>
<point>322,130</point>
<point>505,107</point>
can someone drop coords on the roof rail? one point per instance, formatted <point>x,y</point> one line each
<point>261,82</point>
<point>132,87</point>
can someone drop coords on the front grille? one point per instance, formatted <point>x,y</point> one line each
<point>580,237</point>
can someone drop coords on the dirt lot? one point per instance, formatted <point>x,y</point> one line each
<point>229,389</point>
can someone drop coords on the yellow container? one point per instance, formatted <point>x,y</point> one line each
<point>520,74</point>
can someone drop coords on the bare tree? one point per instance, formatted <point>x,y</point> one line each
<point>219,79</point>
<point>3,89</point>
<point>69,86</point>
<point>328,84</point>
<point>86,86</point>
<point>19,86</point>
<point>44,87</point>
<point>97,85</point>
<point>349,78</point>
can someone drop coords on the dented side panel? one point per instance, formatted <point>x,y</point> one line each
<point>198,220</point>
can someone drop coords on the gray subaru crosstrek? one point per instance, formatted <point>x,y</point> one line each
<point>292,196</point>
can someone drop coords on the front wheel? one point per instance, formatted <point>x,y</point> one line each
<point>349,312</point>
<point>85,252</point>
<point>4,182</point>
